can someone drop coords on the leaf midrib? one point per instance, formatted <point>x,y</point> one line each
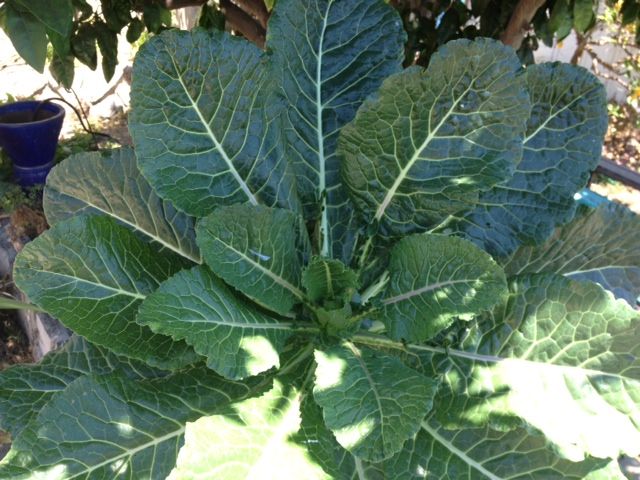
<point>425,289</point>
<point>378,340</point>
<point>214,139</point>
<point>276,278</point>
<point>458,453</point>
<point>136,227</point>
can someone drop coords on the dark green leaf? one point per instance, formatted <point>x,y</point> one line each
<point>433,279</point>
<point>83,44</point>
<point>329,56</point>
<point>562,146</point>
<point>254,249</point>
<point>117,13</point>
<point>92,274</point>
<point>552,355</point>
<point>583,14</point>
<point>325,279</point>
<point>62,69</point>
<point>111,427</point>
<point>372,402</point>
<point>108,44</point>
<point>238,339</point>
<point>204,131</point>
<point>561,19</point>
<point>92,183</point>
<point>485,454</point>
<point>211,17</point>
<point>27,35</point>
<point>430,140</point>
<point>135,29</point>
<point>25,389</point>
<point>598,245</point>
<point>56,15</point>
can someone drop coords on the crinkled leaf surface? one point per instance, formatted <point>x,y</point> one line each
<point>25,389</point>
<point>430,140</point>
<point>112,427</point>
<point>92,274</point>
<point>482,453</point>
<point>329,56</point>
<point>257,439</point>
<point>255,249</point>
<point>433,279</point>
<point>202,122</point>
<point>371,402</point>
<point>238,339</point>
<point>599,245</point>
<point>562,146</point>
<point>92,182</point>
<point>561,355</point>
<point>325,279</point>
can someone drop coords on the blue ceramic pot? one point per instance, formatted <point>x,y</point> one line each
<point>29,134</point>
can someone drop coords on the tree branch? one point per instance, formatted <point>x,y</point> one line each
<point>520,22</point>
<point>242,22</point>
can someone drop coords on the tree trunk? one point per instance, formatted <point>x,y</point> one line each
<point>520,22</point>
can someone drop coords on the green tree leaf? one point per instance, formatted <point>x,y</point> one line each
<point>257,438</point>
<point>561,19</point>
<point>255,249</point>
<point>204,130</point>
<point>599,245</point>
<point>561,147</point>
<point>433,279</point>
<point>553,354</point>
<point>329,56</point>
<point>28,36</point>
<point>238,339</point>
<point>108,44</point>
<point>83,45</point>
<point>25,389</point>
<point>583,15</point>
<point>62,69</point>
<point>92,274</point>
<point>430,140</point>
<point>91,182</point>
<point>482,453</point>
<point>371,402</point>
<point>73,435</point>
<point>56,15</point>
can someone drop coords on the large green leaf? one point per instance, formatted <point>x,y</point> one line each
<point>329,56</point>
<point>109,183</point>
<point>485,454</point>
<point>111,427</point>
<point>561,148</point>
<point>56,15</point>
<point>599,245</point>
<point>202,122</point>
<point>373,403</point>
<point>238,339</point>
<point>430,140</point>
<point>560,355</point>
<point>92,274</point>
<point>433,279</point>
<point>25,389</point>
<point>255,249</point>
<point>28,37</point>
<point>256,436</point>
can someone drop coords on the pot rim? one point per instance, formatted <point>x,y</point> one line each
<point>47,105</point>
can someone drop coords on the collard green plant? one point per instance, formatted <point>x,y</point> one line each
<point>319,265</point>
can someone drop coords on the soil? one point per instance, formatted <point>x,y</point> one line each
<point>14,347</point>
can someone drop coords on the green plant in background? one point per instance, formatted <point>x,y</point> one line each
<point>73,29</point>
<point>319,265</point>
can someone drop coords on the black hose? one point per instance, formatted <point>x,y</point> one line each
<point>87,128</point>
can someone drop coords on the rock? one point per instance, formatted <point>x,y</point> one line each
<point>44,332</point>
